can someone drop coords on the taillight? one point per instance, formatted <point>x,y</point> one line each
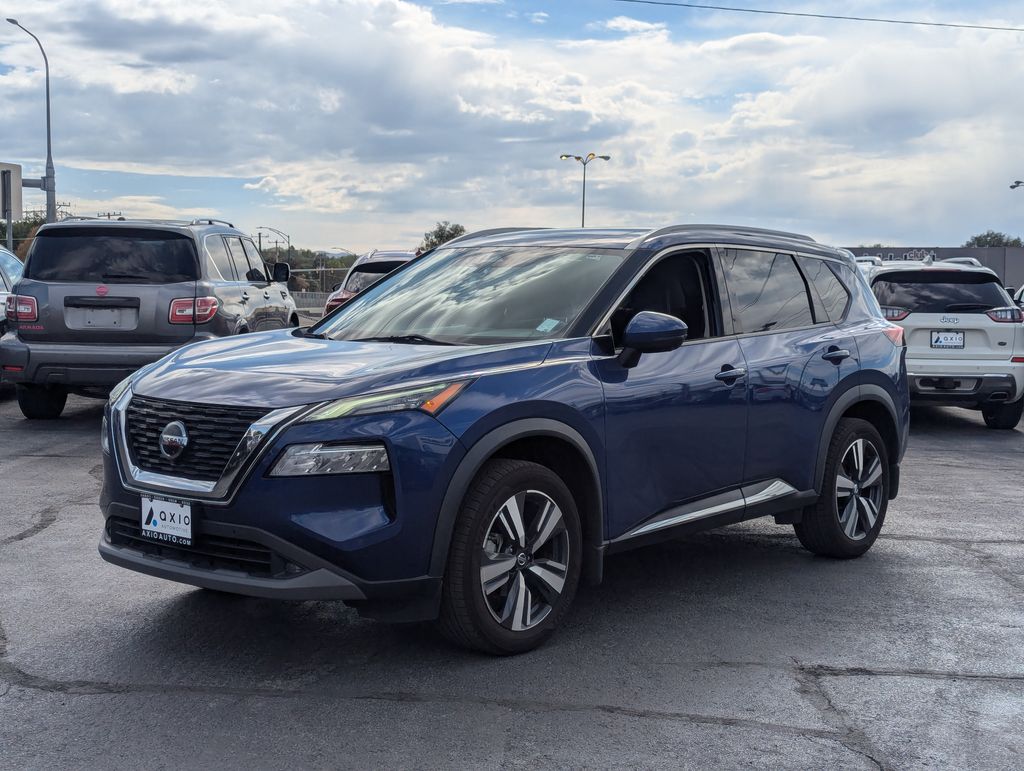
<point>1017,359</point>
<point>895,334</point>
<point>892,313</point>
<point>1009,315</point>
<point>186,310</point>
<point>21,308</point>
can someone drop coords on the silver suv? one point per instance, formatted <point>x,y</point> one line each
<point>101,298</point>
<point>965,340</point>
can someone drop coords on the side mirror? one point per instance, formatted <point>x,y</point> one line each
<point>281,272</point>
<point>650,332</point>
<point>337,286</point>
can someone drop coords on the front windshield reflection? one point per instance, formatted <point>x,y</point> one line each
<point>478,296</point>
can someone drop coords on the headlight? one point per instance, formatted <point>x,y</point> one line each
<point>308,459</point>
<point>430,399</point>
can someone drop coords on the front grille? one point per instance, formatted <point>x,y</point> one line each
<point>210,552</point>
<point>213,434</point>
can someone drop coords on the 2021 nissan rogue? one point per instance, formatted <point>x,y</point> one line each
<point>470,437</point>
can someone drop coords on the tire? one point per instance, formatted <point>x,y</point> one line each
<point>1003,416</point>
<point>41,402</point>
<point>848,516</point>
<point>531,580</point>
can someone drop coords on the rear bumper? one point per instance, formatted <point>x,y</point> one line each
<point>76,364</point>
<point>963,389</point>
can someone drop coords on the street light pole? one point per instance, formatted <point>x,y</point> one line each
<point>49,180</point>
<point>585,161</point>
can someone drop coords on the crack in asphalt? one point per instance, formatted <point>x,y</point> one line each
<point>46,518</point>
<point>991,563</point>
<point>809,685</point>
<point>824,670</point>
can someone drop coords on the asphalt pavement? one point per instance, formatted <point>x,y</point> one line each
<point>727,649</point>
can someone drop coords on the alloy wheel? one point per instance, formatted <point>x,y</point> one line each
<point>859,489</point>
<point>524,560</point>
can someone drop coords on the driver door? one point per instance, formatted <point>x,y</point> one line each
<point>675,426</point>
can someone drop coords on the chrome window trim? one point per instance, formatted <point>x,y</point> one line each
<point>251,447</point>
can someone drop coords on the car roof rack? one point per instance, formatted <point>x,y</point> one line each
<point>635,243</point>
<point>964,261</point>
<point>489,232</point>
<point>210,221</point>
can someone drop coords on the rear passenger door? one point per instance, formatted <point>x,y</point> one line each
<point>252,286</point>
<point>228,289</point>
<point>795,357</point>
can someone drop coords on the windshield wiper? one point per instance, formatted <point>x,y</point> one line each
<point>304,332</point>
<point>414,338</point>
<point>969,307</point>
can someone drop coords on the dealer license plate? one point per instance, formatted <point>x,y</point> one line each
<point>947,339</point>
<point>166,520</point>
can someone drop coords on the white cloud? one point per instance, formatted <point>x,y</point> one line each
<point>374,118</point>
<point>539,17</point>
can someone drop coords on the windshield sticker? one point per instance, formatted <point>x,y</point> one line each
<point>547,325</point>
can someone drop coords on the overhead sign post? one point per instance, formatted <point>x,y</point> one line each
<point>10,198</point>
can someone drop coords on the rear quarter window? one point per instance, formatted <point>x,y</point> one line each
<point>112,256</point>
<point>940,291</point>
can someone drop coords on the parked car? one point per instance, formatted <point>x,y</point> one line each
<point>472,435</point>
<point>101,298</point>
<point>366,271</point>
<point>965,340</point>
<point>10,272</point>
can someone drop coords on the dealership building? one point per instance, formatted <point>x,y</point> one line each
<point>1007,261</point>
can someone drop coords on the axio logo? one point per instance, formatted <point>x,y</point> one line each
<point>173,440</point>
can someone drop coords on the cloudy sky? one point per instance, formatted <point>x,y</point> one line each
<point>359,123</point>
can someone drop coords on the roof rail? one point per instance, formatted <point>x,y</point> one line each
<point>489,232</point>
<point>635,243</point>
<point>210,221</point>
<point>78,217</point>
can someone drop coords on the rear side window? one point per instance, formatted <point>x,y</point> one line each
<point>939,291</point>
<point>238,258</point>
<point>112,256</point>
<point>767,291</point>
<point>221,259</point>
<point>831,293</point>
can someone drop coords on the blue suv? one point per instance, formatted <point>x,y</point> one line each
<point>468,439</point>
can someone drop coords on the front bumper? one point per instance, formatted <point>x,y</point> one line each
<point>362,538</point>
<point>76,364</point>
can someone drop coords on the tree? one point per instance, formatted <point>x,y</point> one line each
<point>442,232</point>
<point>24,231</point>
<point>993,238</point>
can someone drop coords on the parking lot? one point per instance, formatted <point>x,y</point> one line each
<point>730,648</point>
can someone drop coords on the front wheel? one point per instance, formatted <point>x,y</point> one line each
<point>848,516</point>
<point>1003,416</point>
<point>39,402</point>
<point>514,562</point>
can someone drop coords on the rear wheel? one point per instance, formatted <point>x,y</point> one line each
<point>845,521</point>
<point>1003,416</point>
<point>514,562</point>
<point>39,402</point>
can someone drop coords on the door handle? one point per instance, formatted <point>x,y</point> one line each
<point>266,295</point>
<point>730,375</point>
<point>835,355</point>
<point>245,296</point>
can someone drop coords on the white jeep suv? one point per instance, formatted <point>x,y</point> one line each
<point>964,335</point>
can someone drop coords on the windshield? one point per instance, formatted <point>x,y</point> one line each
<point>478,296</point>
<point>926,291</point>
<point>115,255</point>
<point>12,265</point>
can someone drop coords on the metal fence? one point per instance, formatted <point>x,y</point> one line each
<point>311,301</point>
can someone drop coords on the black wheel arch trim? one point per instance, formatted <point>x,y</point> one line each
<point>485,448</point>
<point>865,392</point>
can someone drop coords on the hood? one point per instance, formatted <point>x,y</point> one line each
<point>279,369</point>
